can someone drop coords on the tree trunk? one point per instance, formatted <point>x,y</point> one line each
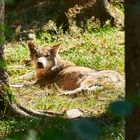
<point>132,60</point>
<point>4,87</point>
<point>6,105</point>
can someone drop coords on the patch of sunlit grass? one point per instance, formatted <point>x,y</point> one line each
<point>97,48</point>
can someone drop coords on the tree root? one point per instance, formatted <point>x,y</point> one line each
<point>21,111</point>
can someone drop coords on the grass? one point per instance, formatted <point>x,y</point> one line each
<point>97,48</point>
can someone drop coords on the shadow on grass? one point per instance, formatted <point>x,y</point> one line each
<point>24,16</point>
<point>59,128</point>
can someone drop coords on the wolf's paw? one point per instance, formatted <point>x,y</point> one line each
<point>95,88</point>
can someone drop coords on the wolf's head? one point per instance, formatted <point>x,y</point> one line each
<point>43,59</point>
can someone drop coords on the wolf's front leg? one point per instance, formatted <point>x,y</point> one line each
<point>94,88</point>
<point>72,92</point>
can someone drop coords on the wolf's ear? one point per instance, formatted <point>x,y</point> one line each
<point>55,49</point>
<point>31,45</point>
<point>32,48</point>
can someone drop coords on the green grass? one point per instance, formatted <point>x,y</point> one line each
<point>97,48</point>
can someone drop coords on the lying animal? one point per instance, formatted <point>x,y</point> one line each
<point>51,69</point>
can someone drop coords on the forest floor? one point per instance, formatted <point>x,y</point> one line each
<point>95,47</point>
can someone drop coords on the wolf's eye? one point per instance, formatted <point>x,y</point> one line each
<point>47,55</point>
<point>36,54</point>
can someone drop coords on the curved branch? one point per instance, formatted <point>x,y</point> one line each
<point>21,111</point>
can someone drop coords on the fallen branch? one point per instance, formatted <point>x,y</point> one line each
<point>21,111</point>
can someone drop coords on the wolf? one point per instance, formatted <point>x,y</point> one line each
<point>51,69</point>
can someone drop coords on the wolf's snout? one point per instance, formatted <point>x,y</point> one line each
<point>41,62</point>
<point>40,65</point>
